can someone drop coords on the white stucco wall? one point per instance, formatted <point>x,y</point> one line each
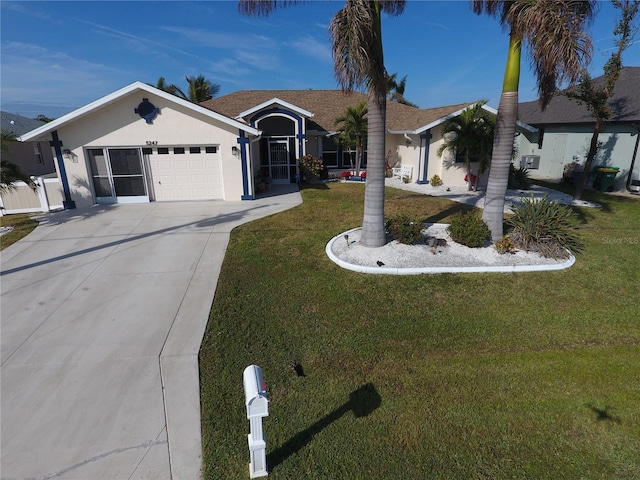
<point>618,143</point>
<point>117,125</point>
<point>451,174</point>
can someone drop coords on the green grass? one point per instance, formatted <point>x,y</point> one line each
<point>23,224</point>
<point>496,376</point>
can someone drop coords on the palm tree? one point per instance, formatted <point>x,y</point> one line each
<point>10,172</point>
<point>358,61</point>
<point>554,30</point>
<point>201,89</point>
<point>396,90</point>
<point>353,127</point>
<point>470,134</point>
<point>169,88</point>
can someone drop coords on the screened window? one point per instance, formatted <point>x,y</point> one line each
<point>329,152</point>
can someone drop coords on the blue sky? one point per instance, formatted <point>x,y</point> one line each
<point>58,56</point>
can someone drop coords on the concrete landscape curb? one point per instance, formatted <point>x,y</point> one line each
<point>384,270</point>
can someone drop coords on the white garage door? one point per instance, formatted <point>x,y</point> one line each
<point>186,173</point>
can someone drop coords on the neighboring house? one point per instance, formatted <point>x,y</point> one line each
<point>565,128</point>
<point>140,144</point>
<point>33,158</point>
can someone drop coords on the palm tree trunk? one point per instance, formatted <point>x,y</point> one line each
<point>505,130</point>
<point>373,222</point>
<point>593,148</point>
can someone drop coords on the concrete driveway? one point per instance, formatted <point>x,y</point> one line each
<point>103,312</point>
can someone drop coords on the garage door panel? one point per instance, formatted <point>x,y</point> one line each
<point>196,165</point>
<point>186,177</point>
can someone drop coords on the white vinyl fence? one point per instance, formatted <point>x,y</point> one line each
<point>23,199</point>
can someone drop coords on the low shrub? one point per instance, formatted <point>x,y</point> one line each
<point>404,229</point>
<point>311,166</point>
<point>545,227</point>
<point>436,181</point>
<point>469,229</point>
<point>518,178</point>
<point>505,245</point>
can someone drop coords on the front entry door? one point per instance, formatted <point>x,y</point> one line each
<point>279,161</point>
<point>118,175</point>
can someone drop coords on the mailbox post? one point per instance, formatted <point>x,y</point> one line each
<point>255,393</point>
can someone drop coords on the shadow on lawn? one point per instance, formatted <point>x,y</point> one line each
<point>452,210</point>
<point>603,414</point>
<point>362,402</point>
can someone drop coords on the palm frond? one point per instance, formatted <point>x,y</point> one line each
<point>555,30</point>
<point>10,174</point>
<point>262,8</point>
<point>7,136</point>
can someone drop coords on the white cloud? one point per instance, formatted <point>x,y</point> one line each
<point>223,40</point>
<point>145,45</point>
<point>231,67</point>
<point>34,74</point>
<point>312,47</point>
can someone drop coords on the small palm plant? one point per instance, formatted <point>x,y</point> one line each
<point>470,134</point>
<point>353,127</point>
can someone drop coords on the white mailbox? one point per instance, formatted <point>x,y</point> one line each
<point>256,401</point>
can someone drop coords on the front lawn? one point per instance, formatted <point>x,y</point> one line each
<point>23,224</point>
<point>497,376</point>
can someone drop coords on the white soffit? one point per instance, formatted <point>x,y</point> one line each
<point>276,101</point>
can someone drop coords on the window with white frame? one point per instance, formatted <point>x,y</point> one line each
<point>37,151</point>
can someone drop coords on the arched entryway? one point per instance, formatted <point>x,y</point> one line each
<point>281,145</point>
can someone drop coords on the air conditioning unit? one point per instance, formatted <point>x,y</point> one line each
<point>531,162</point>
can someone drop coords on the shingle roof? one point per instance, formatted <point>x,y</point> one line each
<point>327,105</point>
<point>18,124</point>
<point>625,104</point>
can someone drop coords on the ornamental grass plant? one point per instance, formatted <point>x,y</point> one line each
<point>546,227</point>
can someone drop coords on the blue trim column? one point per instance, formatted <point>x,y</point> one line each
<point>301,136</point>
<point>243,142</point>
<point>425,165</point>
<point>67,203</point>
